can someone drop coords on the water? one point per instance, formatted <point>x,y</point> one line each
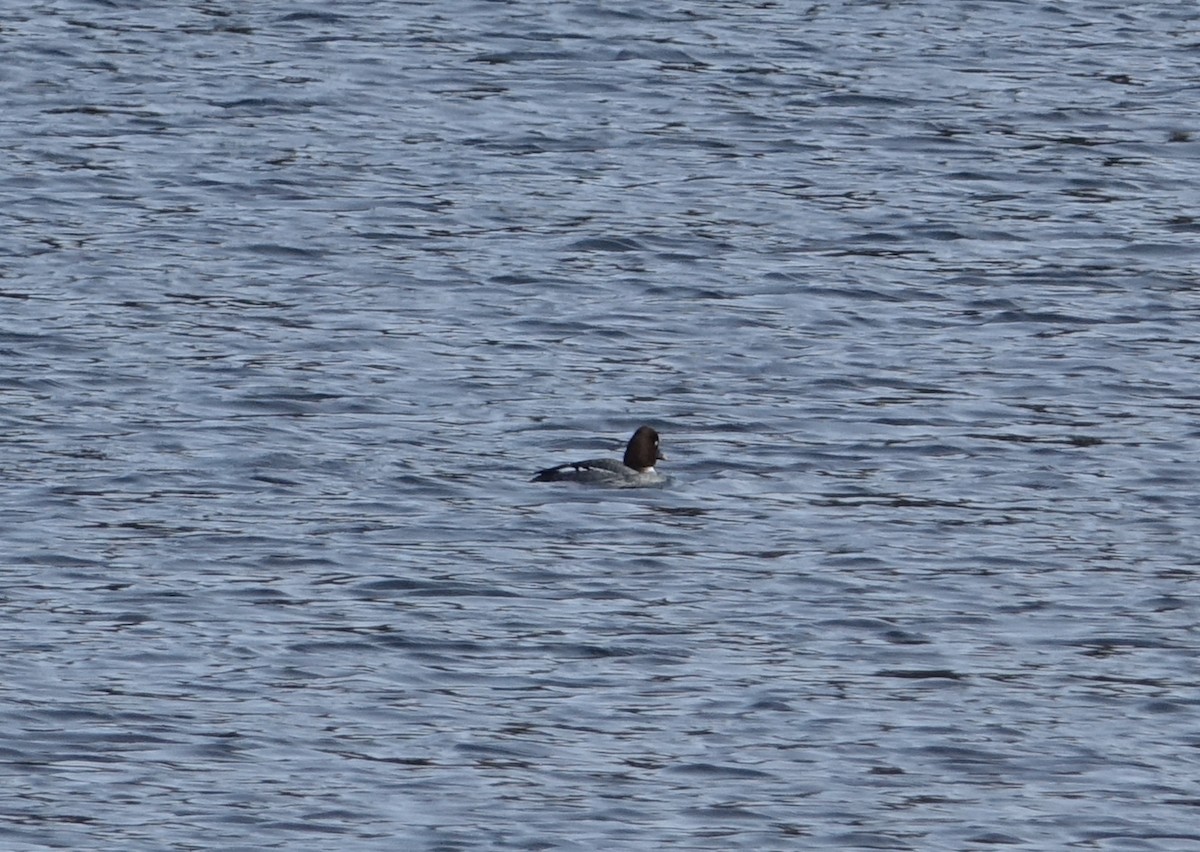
<point>295,299</point>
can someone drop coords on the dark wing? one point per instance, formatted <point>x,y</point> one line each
<point>571,470</point>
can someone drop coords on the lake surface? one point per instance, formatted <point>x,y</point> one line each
<point>294,298</point>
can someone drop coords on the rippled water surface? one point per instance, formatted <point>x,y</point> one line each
<point>294,299</point>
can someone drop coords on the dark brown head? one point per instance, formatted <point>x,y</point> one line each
<point>642,451</point>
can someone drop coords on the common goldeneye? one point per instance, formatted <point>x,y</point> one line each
<point>637,468</point>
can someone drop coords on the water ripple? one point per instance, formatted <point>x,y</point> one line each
<point>295,300</point>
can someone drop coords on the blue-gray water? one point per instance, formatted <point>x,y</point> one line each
<point>295,297</point>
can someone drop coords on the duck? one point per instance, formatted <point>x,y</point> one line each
<point>635,469</point>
